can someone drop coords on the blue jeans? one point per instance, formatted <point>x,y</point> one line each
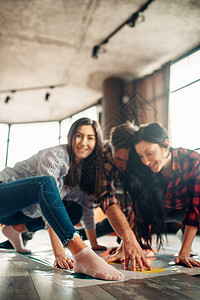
<point>73,209</point>
<point>32,224</point>
<point>16,195</point>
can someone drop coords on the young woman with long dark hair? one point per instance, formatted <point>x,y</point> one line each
<point>76,168</point>
<point>164,184</point>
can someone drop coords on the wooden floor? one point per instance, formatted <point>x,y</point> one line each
<point>32,277</point>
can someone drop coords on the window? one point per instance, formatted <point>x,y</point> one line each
<point>65,126</point>
<point>87,113</point>
<point>185,103</point>
<point>28,139</point>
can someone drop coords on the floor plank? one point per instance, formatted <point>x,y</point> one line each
<point>155,288</point>
<point>17,288</point>
<point>182,283</point>
<point>8,268</point>
<point>32,277</point>
<point>48,290</point>
<point>94,293</point>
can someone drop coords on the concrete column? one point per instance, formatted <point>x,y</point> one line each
<point>112,106</point>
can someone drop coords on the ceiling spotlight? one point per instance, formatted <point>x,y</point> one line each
<point>48,93</point>
<point>47,96</point>
<point>7,99</point>
<point>95,51</point>
<point>133,19</point>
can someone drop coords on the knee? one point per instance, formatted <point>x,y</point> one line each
<point>47,178</point>
<point>47,181</point>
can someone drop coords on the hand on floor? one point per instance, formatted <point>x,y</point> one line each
<point>116,254</point>
<point>63,263</point>
<point>187,261</point>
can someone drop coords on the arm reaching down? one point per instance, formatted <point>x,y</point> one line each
<point>131,248</point>
<point>61,261</point>
<point>184,254</point>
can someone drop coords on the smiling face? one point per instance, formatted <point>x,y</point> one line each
<point>84,142</point>
<point>153,155</point>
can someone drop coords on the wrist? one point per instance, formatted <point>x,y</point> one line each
<point>93,244</point>
<point>128,235</point>
<point>59,254</point>
<point>185,251</point>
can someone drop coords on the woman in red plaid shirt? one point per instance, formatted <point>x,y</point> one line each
<point>158,174</point>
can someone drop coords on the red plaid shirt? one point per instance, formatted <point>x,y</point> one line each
<point>110,180</point>
<point>183,190</point>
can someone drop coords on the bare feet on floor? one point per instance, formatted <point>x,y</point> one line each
<point>15,238</point>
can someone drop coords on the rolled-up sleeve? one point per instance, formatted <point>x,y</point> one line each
<point>108,200</point>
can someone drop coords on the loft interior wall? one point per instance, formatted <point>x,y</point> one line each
<point>151,97</point>
<point>148,99</point>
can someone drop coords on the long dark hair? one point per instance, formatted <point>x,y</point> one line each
<point>147,189</point>
<point>153,133</point>
<point>90,179</point>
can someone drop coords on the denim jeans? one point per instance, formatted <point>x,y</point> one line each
<point>16,195</point>
<point>73,209</point>
<point>32,224</point>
